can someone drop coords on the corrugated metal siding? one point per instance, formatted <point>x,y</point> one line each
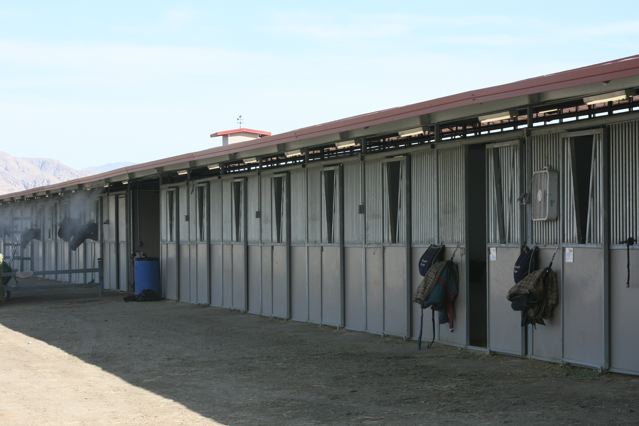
<point>546,151</point>
<point>451,168</point>
<point>314,205</point>
<point>266,209</point>
<point>253,205</point>
<point>298,206</point>
<point>509,176</point>
<point>424,197</point>
<point>227,211</point>
<point>374,186</point>
<point>594,229</point>
<point>624,181</point>
<point>216,210</point>
<point>353,220</point>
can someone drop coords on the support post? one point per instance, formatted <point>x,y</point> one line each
<point>100,276</point>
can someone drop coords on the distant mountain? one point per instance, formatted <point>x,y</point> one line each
<point>18,174</point>
<point>95,170</point>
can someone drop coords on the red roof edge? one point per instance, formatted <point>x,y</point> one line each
<point>241,130</point>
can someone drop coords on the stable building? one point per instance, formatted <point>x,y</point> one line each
<point>326,224</point>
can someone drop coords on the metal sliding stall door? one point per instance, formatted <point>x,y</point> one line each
<point>254,249</point>
<point>424,224</point>
<point>234,253</point>
<point>354,250</point>
<point>504,166</point>
<point>110,242</point>
<point>184,245</point>
<point>451,196</point>
<point>217,245</point>
<point>169,242</point>
<point>387,252</point>
<point>624,223</point>
<point>300,249</point>
<point>325,282</point>
<point>275,245</point>
<point>583,256</point>
<point>545,342</point>
<point>199,243</point>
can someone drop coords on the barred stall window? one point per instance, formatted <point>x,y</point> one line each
<point>279,210</point>
<point>202,216</point>
<point>171,214</point>
<point>329,192</point>
<point>394,199</point>
<point>582,199</point>
<point>503,193</point>
<point>238,206</point>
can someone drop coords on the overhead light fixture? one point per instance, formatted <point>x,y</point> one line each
<point>251,160</point>
<point>606,97</point>
<point>294,153</point>
<point>125,182</point>
<point>182,172</point>
<point>411,132</point>
<point>345,144</point>
<point>213,166</point>
<point>106,185</point>
<point>548,111</point>
<point>491,118</point>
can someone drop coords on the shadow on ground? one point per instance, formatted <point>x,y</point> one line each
<point>243,369</point>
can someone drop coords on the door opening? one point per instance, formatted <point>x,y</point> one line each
<point>477,295</point>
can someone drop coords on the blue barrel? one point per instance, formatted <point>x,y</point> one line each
<point>147,274</point>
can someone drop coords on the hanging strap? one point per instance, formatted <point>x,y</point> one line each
<point>421,328</point>
<point>630,241</point>
<point>432,320</point>
<point>552,259</point>
<point>454,252</point>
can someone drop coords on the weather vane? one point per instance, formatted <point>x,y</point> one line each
<point>240,120</point>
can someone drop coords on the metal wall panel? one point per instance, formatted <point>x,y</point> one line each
<point>298,206</point>
<point>299,284</point>
<point>373,199</point>
<point>315,284</point>
<point>395,294</point>
<point>314,205</point>
<point>451,195</point>
<point>624,315</point>
<point>583,307</point>
<point>217,275</point>
<point>255,279</point>
<point>594,230</point>
<point>503,184</point>
<point>353,220</point>
<point>424,197</point>
<point>331,286</point>
<point>546,152</point>
<point>505,333</point>
<point>267,279</point>
<point>253,206</point>
<point>171,279</point>
<point>239,277</point>
<point>375,290</point>
<point>227,211</point>
<point>624,181</point>
<point>227,276</point>
<point>355,295</point>
<point>203,287</point>
<point>280,282</point>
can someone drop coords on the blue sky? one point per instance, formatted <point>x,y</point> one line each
<point>97,82</point>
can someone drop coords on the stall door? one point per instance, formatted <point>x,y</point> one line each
<point>275,248</point>
<point>168,242</point>
<point>123,252</point>
<point>331,247</point>
<point>583,254</point>
<point>504,238</point>
<point>199,246</point>
<point>184,249</point>
<point>235,249</point>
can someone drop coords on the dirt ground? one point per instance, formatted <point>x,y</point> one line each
<point>69,357</point>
